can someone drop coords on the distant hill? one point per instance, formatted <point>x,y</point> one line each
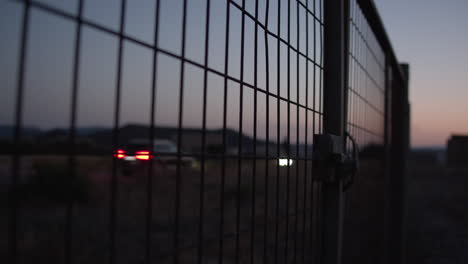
<point>7,132</point>
<point>430,148</point>
<point>427,155</point>
<point>86,131</point>
<point>99,140</point>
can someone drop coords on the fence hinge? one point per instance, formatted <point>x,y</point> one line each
<point>331,163</point>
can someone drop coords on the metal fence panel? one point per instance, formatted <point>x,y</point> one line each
<point>222,97</point>
<point>366,123</point>
<point>375,209</point>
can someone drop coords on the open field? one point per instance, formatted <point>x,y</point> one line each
<point>437,215</point>
<point>42,217</point>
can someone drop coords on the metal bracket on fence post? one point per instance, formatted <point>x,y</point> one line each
<point>327,157</point>
<point>331,164</point>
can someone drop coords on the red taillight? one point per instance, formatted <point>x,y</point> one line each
<point>143,155</point>
<point>120,154</point>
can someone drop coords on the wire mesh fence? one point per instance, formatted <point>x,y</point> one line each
<point>182,131</point>
<point>366,122</point>
<point>161,131</point>
<point>375,115</point>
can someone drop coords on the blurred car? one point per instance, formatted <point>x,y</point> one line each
<point>138,153</point>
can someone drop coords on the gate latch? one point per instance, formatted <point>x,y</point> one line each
<point>331,163</point>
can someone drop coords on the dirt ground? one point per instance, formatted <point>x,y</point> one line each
<point>437,215</point>
<point>42,218</point>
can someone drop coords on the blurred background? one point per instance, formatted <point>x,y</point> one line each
<point>430,35</point>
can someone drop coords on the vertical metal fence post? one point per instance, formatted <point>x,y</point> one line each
<point>335,41</point>
<point>399,151</point>
<point>388,143</point>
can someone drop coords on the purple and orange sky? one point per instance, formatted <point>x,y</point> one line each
<point>432,36</point>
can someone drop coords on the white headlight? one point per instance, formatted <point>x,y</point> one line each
<point>285,162</point>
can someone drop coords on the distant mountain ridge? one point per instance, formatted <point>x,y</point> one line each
<point>100,139</point>
<point>7,132</point>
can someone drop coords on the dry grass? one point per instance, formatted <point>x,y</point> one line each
<point>42,222</point>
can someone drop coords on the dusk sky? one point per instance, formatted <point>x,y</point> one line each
<point>431,35</point>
